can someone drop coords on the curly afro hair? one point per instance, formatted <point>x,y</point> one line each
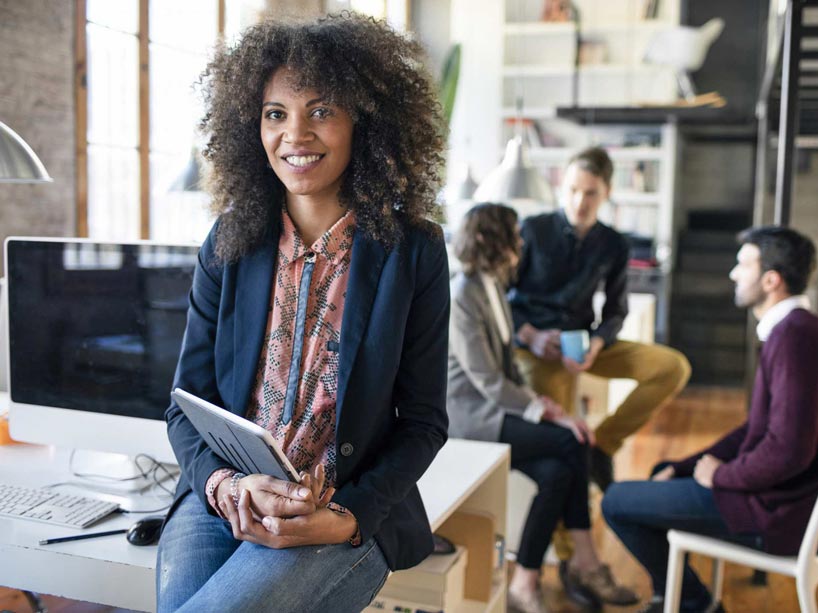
<point>356,63</point>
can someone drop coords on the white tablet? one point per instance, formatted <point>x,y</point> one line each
<point>245,445</point>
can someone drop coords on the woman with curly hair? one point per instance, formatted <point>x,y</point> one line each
<point>488,400</point>
<point>319,310</point>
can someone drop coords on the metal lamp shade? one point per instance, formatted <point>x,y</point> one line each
<point>461,187</point>
<point>514,179</point>
<point>18,162</point>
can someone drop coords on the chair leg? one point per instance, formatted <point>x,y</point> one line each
<point>673,583</point>
<point>805,586</point>
<point>717,584</point>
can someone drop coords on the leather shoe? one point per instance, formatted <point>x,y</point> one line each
<point>601,584</point>
<point>600,468</point>
<point>526,603</point>
<point>574,590</point>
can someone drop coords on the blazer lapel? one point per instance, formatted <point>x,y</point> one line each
<point>366,263</point>
<point>254,284</point>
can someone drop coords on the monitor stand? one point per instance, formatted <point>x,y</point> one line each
<point>117,473</point>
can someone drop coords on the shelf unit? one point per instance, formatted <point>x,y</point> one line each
<point>506,43</point>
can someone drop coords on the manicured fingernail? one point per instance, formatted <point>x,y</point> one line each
<point>267,522</point>
<point>303,492</point>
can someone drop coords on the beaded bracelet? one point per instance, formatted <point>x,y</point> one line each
<point>234,487</point>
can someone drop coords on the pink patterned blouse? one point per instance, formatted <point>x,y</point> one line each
<point>296,383</point>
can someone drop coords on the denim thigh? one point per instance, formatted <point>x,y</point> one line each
<point>256,578</point>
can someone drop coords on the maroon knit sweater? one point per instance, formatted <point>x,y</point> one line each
<point>768,483</point>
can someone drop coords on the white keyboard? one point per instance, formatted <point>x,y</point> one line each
<point>46,505</point>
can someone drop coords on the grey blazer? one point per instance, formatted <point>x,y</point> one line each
<point>484,384</point>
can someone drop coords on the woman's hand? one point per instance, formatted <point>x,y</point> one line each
<point>551,410</point>
<point>271,496</point>
<point>323,527</point>
<point>578,426</point>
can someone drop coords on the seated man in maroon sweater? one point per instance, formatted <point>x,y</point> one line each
<point>758,484</point>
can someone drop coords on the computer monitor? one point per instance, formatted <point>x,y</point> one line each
<point>94,333</point>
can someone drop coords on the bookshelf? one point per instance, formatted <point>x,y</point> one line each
<point>510,52</point>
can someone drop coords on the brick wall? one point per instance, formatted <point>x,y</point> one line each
<point>37,101</point>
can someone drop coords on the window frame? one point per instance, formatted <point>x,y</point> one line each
<point>81,114</point>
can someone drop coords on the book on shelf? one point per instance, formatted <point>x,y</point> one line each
<point>437,582</point>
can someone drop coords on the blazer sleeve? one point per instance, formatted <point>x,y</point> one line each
<point>470,345</point>
<point>419,395</point>
<point>196,370</point>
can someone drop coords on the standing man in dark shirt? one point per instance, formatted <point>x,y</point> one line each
<point>757,484</point>
<point>567,256</point>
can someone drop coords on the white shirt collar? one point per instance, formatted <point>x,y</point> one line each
<point>495,302</point>
<point>778,312</point>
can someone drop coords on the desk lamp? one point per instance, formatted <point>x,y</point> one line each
<point>18,162</point>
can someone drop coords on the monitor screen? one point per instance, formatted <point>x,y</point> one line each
<point>95,328</point>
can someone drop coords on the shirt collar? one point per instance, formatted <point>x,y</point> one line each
<point>569,229</point>
<point>777,313</point>
<point>333,245</point>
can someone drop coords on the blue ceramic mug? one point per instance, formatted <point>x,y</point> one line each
<point>575,344</point>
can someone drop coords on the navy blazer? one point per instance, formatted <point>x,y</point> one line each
<point>391,401</point>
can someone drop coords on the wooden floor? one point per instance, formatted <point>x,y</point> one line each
<point>694,420</point>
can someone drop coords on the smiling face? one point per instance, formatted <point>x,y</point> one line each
<point>582,195</point>
<point>308,141</point>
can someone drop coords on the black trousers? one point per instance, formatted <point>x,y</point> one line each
<point>558,463</point>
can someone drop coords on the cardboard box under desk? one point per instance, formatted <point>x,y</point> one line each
<point>437,582</point>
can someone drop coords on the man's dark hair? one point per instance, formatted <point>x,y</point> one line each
<point>596,161</point>
<point>789,253</point>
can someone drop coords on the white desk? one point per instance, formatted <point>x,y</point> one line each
<point>465,475</point>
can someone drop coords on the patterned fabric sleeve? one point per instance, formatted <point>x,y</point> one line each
<point>213,483</point>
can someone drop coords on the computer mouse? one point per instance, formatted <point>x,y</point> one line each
<point>145,531</point>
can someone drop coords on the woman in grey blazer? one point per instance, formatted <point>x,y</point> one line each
<point>487,400</point>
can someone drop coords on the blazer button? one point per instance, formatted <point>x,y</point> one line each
<point>347,449</point>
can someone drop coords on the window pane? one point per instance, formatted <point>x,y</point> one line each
<point>375,8</point>
<point>121,15</point>
<point>176,216</point>
<point>113,193</point>
<point>239,14</point>
<point>113,87</point>
<point>175,109</point>
<point>184,24</point>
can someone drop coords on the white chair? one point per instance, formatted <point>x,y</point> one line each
<point>683,48</point>
<point>803,567</point>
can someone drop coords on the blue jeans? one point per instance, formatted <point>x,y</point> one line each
<point>641,513</point>
<point>201,568</point>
